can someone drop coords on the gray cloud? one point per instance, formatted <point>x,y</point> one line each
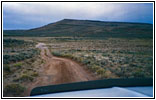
<point>47,12</point>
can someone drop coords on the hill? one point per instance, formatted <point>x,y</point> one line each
<point>88,28</point>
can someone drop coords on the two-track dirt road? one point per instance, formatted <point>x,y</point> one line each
<point>57,70</point>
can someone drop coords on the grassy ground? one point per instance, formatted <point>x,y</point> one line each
<point>106,57</point>
<point>109,58</point>
<point>20,65</point>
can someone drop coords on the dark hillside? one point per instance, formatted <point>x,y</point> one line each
<point>88,28</point>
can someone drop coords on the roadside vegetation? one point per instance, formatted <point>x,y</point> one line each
<point>110,58</point>
<point>21,61</point>
<point>13,90</point>
<point>105,57</point>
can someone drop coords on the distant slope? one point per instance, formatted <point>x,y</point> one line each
<point>88,28</point>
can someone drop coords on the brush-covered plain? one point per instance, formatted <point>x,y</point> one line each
<point>20,65</point>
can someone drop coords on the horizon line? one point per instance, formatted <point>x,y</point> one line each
<point>82,20</point>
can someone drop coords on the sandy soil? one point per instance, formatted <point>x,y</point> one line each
<point>57,70</point>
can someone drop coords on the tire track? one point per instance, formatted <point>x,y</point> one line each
<point>57,70</point>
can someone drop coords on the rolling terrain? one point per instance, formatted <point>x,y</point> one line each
<point>87,28</point>
<point>75,50</point>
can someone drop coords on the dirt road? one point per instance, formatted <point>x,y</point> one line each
<point>58,70</point>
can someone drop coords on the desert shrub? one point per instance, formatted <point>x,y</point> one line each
<point>13,90</point>
<point>63,54</point>
<point>139,73</point>
<point>18,65</point>
<point>86,61</point>
<point>94,68</point>
<point>106,74</point>
<point>80,59</point>
<point>24,77</point>
<point>149,67</point>
<point>34,74</point>
<point>120,71</point>
<point>133,65</point>
<point>67,55</point>
<point>56,54</point>
<point>20,56</point>
<point>101,71</point>
<point>12,42</point>
<point>105,54</point>
<point>103,62</point>
<point>75,58</point>
<point>42,61</point>
<point>16,43</point>
<point>6,68</point>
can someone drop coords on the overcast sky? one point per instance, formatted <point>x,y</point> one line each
<point>30,15</point>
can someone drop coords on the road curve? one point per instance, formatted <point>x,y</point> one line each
<point>57,70</point>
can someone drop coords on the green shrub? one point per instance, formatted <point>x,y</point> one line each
<point>24,78</point>
<point>13,90</point>
<point>42,61</point>
<point>139,73</point>
<point>22,55</point>
<point>18,65</point>
<point>56,54</point>
<point>6,68</point>
<point>106,74</point>
<point>80,59</point>
<point>86,61</point>
<point>101,71</point>
<point>94,68</point>
<point>67,55</point>
<point>35,74</point>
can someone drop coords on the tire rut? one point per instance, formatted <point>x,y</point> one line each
<point>57,70</point>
